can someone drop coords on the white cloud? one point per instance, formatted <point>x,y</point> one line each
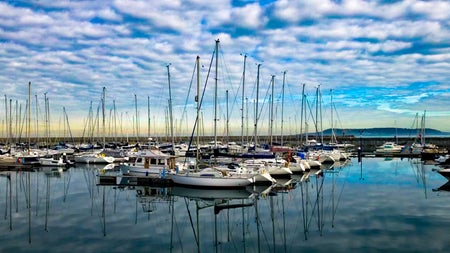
<point>351,45</point>
<point>249,16</point>
<point>109,14</point>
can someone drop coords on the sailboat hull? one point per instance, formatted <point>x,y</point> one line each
<point>210,182</point>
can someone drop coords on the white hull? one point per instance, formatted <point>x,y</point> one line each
<point>94,159</point>
<point>49,162</point>
<point>279,171</point>
<point>210,178</point>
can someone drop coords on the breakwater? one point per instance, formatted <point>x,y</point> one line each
<point>369,144</point>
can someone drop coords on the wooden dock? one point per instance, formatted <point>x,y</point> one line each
<point>10,164</point>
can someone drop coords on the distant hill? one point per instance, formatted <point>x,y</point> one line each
<point>385,131</point>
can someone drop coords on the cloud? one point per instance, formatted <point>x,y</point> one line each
<point>357,48</point>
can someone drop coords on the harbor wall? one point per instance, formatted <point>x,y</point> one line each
<point>369,144</point>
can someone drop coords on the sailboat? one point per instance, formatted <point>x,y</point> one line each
<point>210,176</point>
<point>427,151</point>
<point>97,157</point>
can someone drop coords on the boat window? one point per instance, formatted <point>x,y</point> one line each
<point>161,161</point>
<point>153,161</point>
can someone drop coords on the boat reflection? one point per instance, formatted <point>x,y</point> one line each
<point>445,187</point>
<point>216,201</point>
<point>253,219</point>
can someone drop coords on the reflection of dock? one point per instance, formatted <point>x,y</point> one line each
<point>10,163</point>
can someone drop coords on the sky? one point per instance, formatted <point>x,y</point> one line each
<point>373,64</point>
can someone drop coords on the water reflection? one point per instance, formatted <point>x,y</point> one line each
<point>50,209</point>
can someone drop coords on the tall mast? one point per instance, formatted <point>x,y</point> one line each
<point>271,113</point>
<point>423,128</point>
<point>115,120</point>
<point>317,111</point>
<point>301,114</point>
<point>170,109</point>
<point>197,99</point>
<point>282,106</point>
<point>228,120</point>
<point>137,119</point>
<point>256,106</point>
<point>215,93</point>
<point>29,117</point>
<point>243,101</point>
<point>37,120</point>
<point>6,121</point>
<point>46,120</point>
<point>103,116</point>
<point>148,116</point>
<point>333,136</point>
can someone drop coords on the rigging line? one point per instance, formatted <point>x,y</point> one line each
<point>236,93</point>
<point>264,103</point>
<point>311,114</point>
<point>337,115</point>
<point>187,96</point>
<point>200,105</point>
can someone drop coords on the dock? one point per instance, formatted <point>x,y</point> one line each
<point>10,164</point>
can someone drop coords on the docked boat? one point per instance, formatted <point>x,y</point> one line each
<point>259,174</point>
<point>210,177</point>
<point>94,158</point>
<point>55,161</point>
<point>275,166</point>
<point>151,162</point>
<point>389,148</point>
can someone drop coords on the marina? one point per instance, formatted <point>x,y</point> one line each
<point>377,204</point>
<point>239,126</point>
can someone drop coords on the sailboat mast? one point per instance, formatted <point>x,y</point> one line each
<point>137,119</point>
<point>243,101</point>
<point>333,136</point>
<point>170,109</point>
<point>29,117</point>
<point>148,116</point>
<point>37,120</point>
<point>317,112</point>
<point>256,106</point>
<point>103,116</point>
<point>197,99</point>
<point>115,121</point>
<point>423,128</point>
<point>46,119</point>
<point>6,120</point>
<point>271,113</point>
<point>215,93</point>
<point>282,106</point>
<point>228,120</point>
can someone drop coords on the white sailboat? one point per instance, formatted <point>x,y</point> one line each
<point>97,157</point>
<point>209,177</point>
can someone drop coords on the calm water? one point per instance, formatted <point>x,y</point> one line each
<point>381,205</point>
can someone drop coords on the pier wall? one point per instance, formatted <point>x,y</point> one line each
<point>369,144</point>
